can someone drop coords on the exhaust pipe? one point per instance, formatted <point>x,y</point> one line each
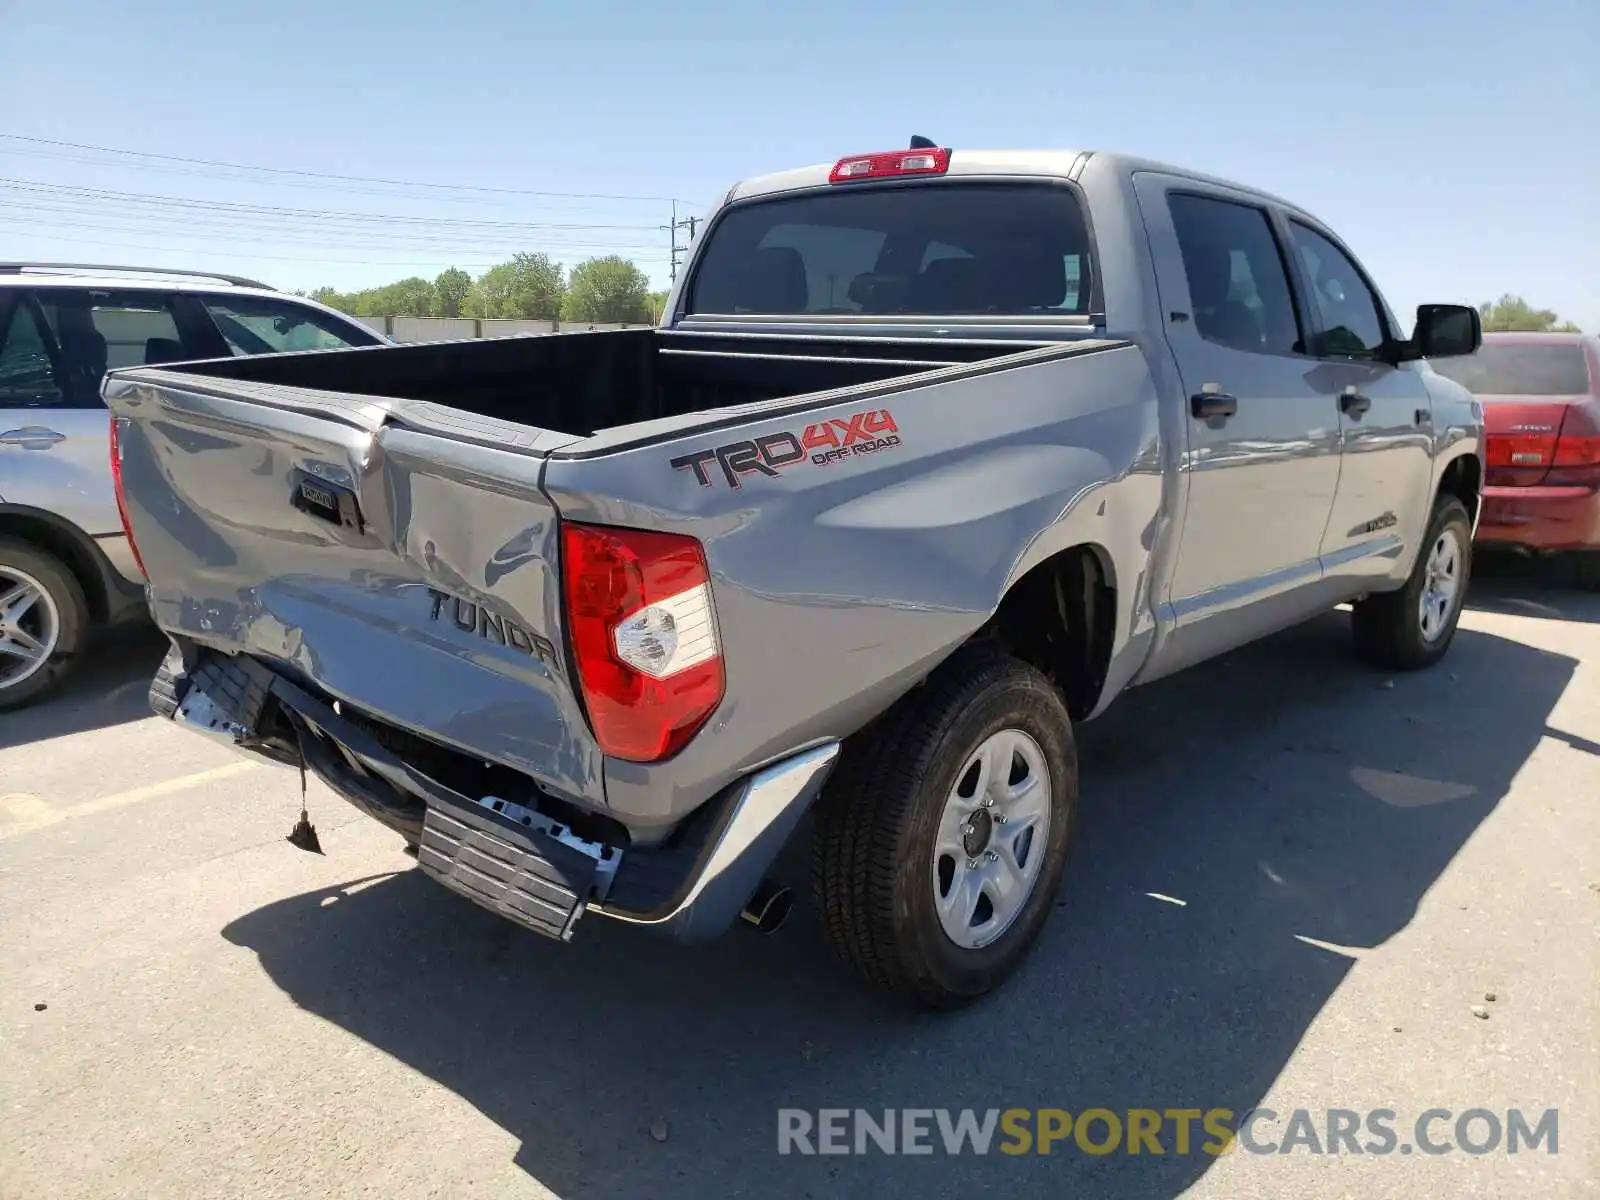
<point>769,908</point>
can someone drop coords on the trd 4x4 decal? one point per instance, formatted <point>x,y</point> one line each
<point>864,432</point>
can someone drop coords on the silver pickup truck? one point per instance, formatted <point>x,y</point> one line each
<point>934,454</point>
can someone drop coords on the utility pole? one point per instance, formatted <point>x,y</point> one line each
<point>688,223</point>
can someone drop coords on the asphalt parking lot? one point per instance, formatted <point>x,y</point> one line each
<point>1295,882</point>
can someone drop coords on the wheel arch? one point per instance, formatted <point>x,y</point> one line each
<point>1462,477</point>
<point>1060,615</point>
<point>76,551</point>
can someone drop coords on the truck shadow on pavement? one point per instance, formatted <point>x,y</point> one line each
<point>1281,793</point>
<point>110,687</point>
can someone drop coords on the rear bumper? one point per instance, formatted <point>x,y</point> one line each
<point>504,855</point>
<point>1540,518</point>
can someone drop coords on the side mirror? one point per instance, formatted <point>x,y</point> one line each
<point>1446,331</point>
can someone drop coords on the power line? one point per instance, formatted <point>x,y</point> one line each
<point>231,222</point>
<point>150,199</point>
<point>295,258</point>
<point>355,241</point>
<point>288,171</point>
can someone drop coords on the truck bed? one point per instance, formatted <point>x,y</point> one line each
<point>575,384</point>
<point>384,526</point>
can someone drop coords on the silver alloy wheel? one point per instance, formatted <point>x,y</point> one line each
<point>990,846</point>
<point>30,626</point>
<point>1441,585</point>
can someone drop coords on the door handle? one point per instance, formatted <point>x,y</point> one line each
<point>1205,405</point>
<point>1354,404</point>
<point>1423,417</point>
<point>34,437</point>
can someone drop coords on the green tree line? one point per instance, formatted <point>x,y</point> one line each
<point>527,286</point>
<point>1514,314</point>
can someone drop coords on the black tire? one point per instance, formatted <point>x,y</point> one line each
<point>65,595</point>
<point>873,862</point>
<point>1586,570</point>
<point>1388,627</point>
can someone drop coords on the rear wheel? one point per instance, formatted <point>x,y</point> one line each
<point>1414,626</point>
<point>941,841</point>
<point>43,621</point>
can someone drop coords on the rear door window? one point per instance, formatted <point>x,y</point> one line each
<point>1238,285</point>
<point>97,330</point>
<point>252,325</point>
<point>1506,369</point>
<point>27,365</point>
<point>945,248</point>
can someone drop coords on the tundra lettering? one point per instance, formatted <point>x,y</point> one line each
<point>475,618</point>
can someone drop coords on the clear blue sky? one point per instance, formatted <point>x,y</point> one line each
<point>1454,145</point>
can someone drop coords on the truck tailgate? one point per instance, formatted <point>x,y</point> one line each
<point>399,556</point>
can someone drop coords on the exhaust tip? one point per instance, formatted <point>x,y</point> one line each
<point>769,908</point>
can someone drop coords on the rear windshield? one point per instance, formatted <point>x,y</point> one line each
<point>949,248</point>
<point>1503,369</point>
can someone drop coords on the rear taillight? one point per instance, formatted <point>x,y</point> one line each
<point>644,637</point>
<point>1577,454</point>
<point>890,163</point>
<point>116,486</point>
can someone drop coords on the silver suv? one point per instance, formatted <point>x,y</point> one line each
<point>65,564</point>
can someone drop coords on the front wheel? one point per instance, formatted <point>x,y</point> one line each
<point>1414,626</point>
<point>941,841</point>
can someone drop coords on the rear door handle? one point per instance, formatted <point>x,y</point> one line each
<point>1354,404</point>
<point>1205,405</point>
<point>34,437</point>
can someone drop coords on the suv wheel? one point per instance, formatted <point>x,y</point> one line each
<point>941,841</point>
<point>1414,626</point>
<point>43,620</point>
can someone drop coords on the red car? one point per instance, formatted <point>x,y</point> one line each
<point>1541,399</point>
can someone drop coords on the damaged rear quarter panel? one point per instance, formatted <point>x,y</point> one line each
<point>838,587</point>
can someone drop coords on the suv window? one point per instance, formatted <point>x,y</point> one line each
<point>252,325</point>
<point>98,330</point>
<point>1346,308</point>
<point>1238,284</point>
<point>27,372</point>
<point>947,248</point>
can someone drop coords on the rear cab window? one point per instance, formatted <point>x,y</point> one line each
<point>1532,369</point>
<point>948,248</point>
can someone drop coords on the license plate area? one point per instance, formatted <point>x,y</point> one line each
<point>521,873</point>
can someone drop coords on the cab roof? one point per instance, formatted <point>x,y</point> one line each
<point>1043,164</point>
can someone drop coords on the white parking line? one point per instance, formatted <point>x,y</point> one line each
<point>24,812</point>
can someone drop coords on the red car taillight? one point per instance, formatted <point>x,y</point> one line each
<point>116,487</point>
<point>644,637</point>
<point>1577,455</point>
